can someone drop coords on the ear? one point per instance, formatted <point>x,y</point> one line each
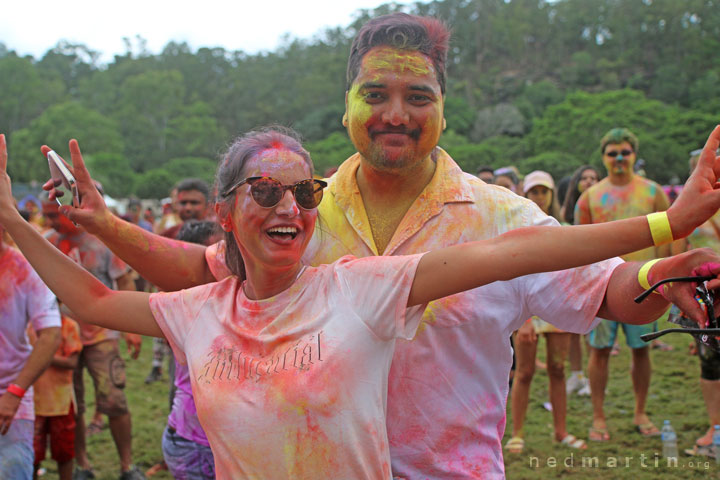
<point>224,221</point>
<point>444,123</point>
<point>345,115</point>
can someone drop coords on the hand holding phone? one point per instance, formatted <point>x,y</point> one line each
<point>61,176</point>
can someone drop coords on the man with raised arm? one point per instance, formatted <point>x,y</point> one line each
<point>402,194</point>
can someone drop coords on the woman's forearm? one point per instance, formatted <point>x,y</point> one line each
<point>170,264</point>
<point>88,298</point>
<point>524,251</point>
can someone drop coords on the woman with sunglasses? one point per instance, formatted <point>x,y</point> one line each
<point>289,366</point>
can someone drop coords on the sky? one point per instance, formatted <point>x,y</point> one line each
<point>32,27</point>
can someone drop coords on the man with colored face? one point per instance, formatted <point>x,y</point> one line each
<point>100,355</point>
<point>402,194</point>
<point>622,194</point>
<point>24,300</point>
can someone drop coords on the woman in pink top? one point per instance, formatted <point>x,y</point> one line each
<point>289,366</point>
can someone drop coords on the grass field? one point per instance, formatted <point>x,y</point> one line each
<point>674,395</point>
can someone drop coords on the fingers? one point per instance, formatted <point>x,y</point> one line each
<point>709,154</point>
<point>3,153</point>
<point>81,173</point>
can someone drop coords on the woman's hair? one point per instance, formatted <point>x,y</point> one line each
<point>573,194</point>
<point>231,170</point>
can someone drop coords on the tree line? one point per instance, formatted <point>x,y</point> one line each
<point>531,83</point>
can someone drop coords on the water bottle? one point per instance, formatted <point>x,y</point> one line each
<point>669,440</point>
<point>716,443</point>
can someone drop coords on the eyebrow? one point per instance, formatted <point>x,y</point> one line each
<point>421,88</point>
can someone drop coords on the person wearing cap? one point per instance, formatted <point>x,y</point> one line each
<point>540,188</point>
<point>622,194</point>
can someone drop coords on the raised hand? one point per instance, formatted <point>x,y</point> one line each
<point>92,212</point>
<point>700,197</point>
<point>7,202</point>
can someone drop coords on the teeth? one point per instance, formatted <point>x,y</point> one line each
<point>292,230</point>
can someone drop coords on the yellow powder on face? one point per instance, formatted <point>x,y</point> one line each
<point>398,61</point>
<point>358,110</point>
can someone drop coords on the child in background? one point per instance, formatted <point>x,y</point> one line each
<point>55,402</point>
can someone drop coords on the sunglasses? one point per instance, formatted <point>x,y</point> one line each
<point>615,153</point>
<point>267,192</point>
<point>706,298</point>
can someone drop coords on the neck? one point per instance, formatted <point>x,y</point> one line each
<point>406,184</point>
<point>264,282</point>
<point>621,179</point>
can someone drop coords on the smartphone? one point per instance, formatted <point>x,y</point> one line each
<point>61,176</point>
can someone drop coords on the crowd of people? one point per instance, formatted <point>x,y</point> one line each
<point>357,326</point>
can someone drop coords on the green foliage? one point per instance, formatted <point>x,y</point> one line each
<point>55,127</point>
<point>330,152</point>
<point>522,86</point>
<point>113,171</point>
<point>191,167</point>
<point>666,133</point>
<point>155,183</point>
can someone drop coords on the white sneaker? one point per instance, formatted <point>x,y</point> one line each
<point>585,390</point>
<point>575,382</point>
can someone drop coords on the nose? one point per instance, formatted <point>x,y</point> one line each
<point>287,205</point>
<point>395,113</point>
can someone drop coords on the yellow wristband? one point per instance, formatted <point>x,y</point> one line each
<point>660,228</point>
<point>643,274</point>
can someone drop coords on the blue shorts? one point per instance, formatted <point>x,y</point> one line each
<point>604,335</point>
<point>16,451</point>
<point>187,460</point>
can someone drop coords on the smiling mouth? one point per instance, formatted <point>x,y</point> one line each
<point>283,233</point>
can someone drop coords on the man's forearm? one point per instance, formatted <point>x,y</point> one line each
<point>48,340</point>
<point>169,264</point>
<point>622,289</point>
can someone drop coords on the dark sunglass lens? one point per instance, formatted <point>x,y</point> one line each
<point>305,194</point>
<point>266,192</point>
<point>625,153</point>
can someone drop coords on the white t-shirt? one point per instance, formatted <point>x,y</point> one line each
<point>24,299</point>
<point>295,386</point>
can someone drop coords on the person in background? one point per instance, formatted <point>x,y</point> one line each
<point>540,188</point>
<point>485,173</point>
<point>55,402</point>
<point>185,445</point>
<point>705,236</point>
<point>134,214</point>
<point>193,199</point>
<point>622,194</point>
<point>24,301</point>
<point>583,178</point>
<point>507,177</point>
<point>100,354</point>
<point>168,217</point>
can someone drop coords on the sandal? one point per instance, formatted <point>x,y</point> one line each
<point>700,451</point>
<point>598,434</point>
<point>515,445</point>
<point>648,430</point>
<point>95,427</point>
<point>573,442</point>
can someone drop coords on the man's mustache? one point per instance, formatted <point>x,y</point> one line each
<point>413,133</point>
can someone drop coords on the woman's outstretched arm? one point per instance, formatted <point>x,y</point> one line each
<point>87,297</point>
<point>539,249</point>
